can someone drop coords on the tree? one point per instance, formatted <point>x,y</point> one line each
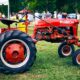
<point>15,5</point>
<point>41,5</point>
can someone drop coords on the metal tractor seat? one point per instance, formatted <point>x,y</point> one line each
<point>7,22</point>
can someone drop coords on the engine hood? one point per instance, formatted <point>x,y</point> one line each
<point>56,22</point>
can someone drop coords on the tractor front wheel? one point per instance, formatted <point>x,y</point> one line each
<point>65,50</point>
<point>18,51</point>
<point>76,57</point>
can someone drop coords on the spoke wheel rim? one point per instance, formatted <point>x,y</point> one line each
<point>66,50</point>
<point>78,59</point>
<point>18,64</point>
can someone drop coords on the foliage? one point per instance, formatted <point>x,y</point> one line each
<point>52,5</point>
<point>3,9</point>
<point>15,5</point>
<point>43,5</point>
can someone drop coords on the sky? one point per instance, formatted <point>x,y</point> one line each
<point>5,2</point>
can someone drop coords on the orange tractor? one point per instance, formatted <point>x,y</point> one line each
<point>18,51</point>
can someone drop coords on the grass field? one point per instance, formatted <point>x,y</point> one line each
<point>48,65</point>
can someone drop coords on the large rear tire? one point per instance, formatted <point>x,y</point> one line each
<point>18,52</point>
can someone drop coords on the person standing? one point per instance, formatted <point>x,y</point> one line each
<point>37,16</point>
<point>43,15</point>
<point>59,15</point>
<point>0,15</point>
<point>48,14</point>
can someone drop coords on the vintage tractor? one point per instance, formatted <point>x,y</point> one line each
<point>63,30</point>
<point>18,51</point>
<point>56,31</point>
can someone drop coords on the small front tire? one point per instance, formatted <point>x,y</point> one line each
<point>65,50</point>
<point>76,57</point>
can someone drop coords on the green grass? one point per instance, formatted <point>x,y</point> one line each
<point>48,65</point>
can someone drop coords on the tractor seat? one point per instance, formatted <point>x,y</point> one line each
<point>7,22</point>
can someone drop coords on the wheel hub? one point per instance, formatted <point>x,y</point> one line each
<point>66,49</point>
<point>14,53</point>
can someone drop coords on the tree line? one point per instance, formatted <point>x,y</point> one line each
<point>42,5</point>
<point>52,5</point>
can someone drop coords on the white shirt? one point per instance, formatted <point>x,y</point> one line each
<point>30,17</point>
<point>37,16</point>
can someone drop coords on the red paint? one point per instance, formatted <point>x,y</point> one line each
<point>50,23</point>
<point>14,53</point>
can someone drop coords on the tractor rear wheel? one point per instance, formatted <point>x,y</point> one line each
<point>65,50</point>
<point>76,57</point>
<point>18,51</point>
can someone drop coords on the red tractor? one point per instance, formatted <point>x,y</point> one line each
<point>18,51</point>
